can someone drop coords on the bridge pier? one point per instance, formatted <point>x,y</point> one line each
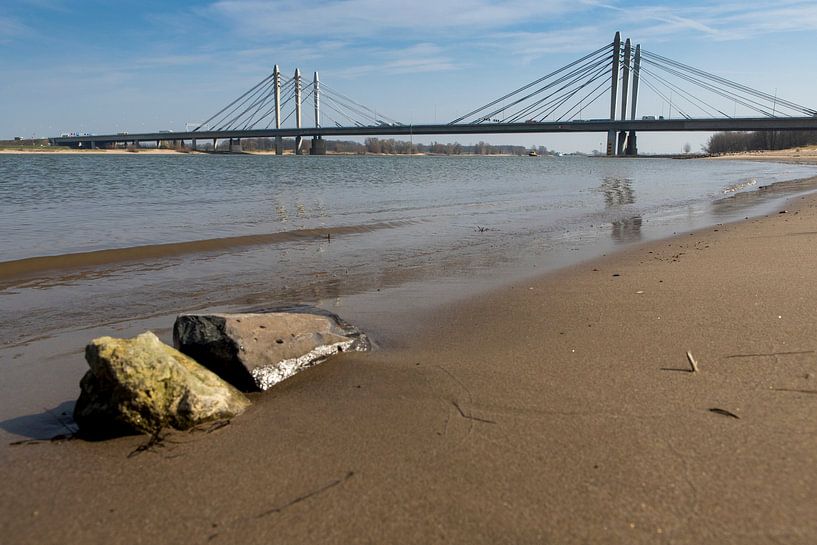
<point>632,148</point>
<point>318,146</point>
<point>193,145</point>
<point>299,141</point>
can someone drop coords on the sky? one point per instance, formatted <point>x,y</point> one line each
<point>103,66</point>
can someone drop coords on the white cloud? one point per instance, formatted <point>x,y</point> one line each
<point>418,58</point>
<point>373,17</point>
<point>11,28</point>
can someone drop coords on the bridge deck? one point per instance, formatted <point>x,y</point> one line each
<point>603,125</point>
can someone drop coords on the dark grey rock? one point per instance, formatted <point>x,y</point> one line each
<point>257,350</point>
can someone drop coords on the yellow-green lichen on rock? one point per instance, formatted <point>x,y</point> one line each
<point>144,385</point>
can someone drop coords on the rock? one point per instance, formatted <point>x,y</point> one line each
<point>256,351</point>
<point>144,385</point>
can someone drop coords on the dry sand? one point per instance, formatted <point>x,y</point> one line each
<point>558,410</point>
<point>806,155</point>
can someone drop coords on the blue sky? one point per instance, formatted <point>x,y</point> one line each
<point>109,66</point>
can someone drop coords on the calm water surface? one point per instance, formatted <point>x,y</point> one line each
<point>270,223</point>
<point>51,205</point>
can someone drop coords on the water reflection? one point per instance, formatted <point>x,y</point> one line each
<point>618,192</point>
<point>627,229</point>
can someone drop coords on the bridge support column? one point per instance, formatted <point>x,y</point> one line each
<point>632,147</point>
<point>193,144</point>
<point>298,139</point>
<point>611,134</point>
<point>316,92</point>
<point>318,146</point>
<point>299,142</point>
<point>625,85</point>
<point>276,74</point>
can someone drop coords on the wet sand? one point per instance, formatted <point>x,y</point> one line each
<point>555,410</point>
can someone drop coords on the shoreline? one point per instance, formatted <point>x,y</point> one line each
<point>558,408</point>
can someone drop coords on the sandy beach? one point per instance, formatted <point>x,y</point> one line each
<point>807,155</point>
<point>560,409</point>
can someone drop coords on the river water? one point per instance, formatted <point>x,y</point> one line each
<point>90,240</point>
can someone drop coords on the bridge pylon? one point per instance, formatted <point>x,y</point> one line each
<point>318,143</point>
<point>299,138</point>
<point>632,147</point>
<point>276,75</point>
<point>611,134</point>
<point>625,86</point>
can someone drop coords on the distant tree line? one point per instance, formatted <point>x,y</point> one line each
<point>400,147</point>
<point>735,142</point>
<point>391,146</point>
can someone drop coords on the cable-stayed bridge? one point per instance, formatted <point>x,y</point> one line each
<point>617,74</point>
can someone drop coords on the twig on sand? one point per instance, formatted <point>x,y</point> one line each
<point>210,428</point>
<point>692,362</point>
<point>156,439</point>
<point>723,412</point>
<point>795,390</point>
<point>470,416</point>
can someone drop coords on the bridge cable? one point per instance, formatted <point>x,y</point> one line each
<point>601,93</point>
<point>748,90</point>
<point>539,105</point>
<point>581,104</point>
<point>329,104</point>
<point>744,101</point>
<point>271,76</point>
<point>662,95</point>
<point>330,97</point>
<point>288,91</point>
<point>531,84</point>
<point>581,71</point>
<point>260,92</point>
<point>374,113</point>
<point>683,93</point>
<point>543,104</point>
<point>585,68</point>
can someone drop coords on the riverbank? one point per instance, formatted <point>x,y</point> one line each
<point>806,155</point>
<point>559,409</point>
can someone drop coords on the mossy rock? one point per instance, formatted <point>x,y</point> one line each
<point>143,385</point>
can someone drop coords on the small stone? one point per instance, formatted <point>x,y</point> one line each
<point>144,385</point>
